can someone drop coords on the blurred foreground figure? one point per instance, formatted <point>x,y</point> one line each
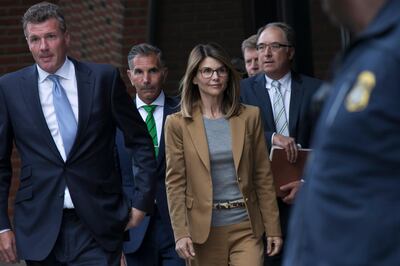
<point>346,213</point>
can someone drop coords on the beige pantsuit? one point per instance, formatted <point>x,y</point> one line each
<point>188,178</point>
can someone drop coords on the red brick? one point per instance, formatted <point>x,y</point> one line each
<point>7,60</point>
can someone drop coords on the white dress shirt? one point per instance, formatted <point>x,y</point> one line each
<point>158,112</point>
<point>286,85</point>
<point>67,79</point>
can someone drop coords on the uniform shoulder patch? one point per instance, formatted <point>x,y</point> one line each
<point>358,97</point>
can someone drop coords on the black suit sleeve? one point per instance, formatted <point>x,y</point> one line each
<point>136,138</point>
<point>6,140</point>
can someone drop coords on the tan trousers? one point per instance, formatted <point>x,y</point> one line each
<point>232,245</point>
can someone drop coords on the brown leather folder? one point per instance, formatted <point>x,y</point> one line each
<point>285,172</point>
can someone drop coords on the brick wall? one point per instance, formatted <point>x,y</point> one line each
<point>96,30</point>
<point>135,30</point>
<point>14,52</point>
<point>104,31</point>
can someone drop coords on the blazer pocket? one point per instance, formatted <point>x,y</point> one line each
<point>189,202</point>
<point>24,194</point>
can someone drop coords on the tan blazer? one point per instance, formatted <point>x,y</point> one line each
<point>188,175</point>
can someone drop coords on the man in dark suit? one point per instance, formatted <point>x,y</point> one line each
<point>284,99</point>
<point>62,116</point>
<point>152,242</point>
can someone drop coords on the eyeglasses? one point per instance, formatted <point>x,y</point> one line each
<point>208,72</point>
<point>275,46</point>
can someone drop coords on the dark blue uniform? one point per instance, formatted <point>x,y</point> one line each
<point>347,213</point>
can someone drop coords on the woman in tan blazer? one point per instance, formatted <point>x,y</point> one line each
<point>219,185</point>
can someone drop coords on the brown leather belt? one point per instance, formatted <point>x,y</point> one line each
<point>226,205</point>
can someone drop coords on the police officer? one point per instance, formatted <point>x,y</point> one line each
<point>348,210</point>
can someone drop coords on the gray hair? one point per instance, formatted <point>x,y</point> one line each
<point>41,12</point>
<point>287,30</point>
<point>144,49</point>
<point>250,43</point>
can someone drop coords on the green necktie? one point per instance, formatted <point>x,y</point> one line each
<point>151,125</point>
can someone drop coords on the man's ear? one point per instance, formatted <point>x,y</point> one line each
<point>130,76</point>
<point>165,74</point>
<point>67,38</point>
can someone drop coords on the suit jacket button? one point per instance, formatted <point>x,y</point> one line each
<point>239,179</point>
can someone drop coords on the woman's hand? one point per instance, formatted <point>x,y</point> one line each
<point>184,248</point>
<point>274,245</point>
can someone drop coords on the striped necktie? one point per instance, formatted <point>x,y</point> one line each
<point>65,116</point>
<point>151,125</point>
<point>281,123</point>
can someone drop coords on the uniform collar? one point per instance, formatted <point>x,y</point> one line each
<point>385,20</point>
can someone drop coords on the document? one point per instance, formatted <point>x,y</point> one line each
<point>285,172</point>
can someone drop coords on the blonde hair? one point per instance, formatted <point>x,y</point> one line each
<point>190,95</point>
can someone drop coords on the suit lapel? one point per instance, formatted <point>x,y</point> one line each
<point>238,135</point>
<point>296,98</point>
<point>84,81</point>
<point>170,107</point>
<point>262,95</point>
<point>30,93</point>
<point>197,133</point>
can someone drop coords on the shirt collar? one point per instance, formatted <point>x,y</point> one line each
<point>65,71</point>
<point>159,101</point>
<point>284,81</point>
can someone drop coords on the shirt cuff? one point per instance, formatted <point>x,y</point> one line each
<point>4,230</point>
<point>272,139</point>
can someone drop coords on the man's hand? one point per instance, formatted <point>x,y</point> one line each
<point>8,251</point>
<point>123,261</point>
<point>291,190</point>
<point>274,245</point>
<point>136,216</point>
<point>288,144</point>
<point>184,248</point>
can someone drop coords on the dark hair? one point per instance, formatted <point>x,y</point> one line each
<point>145,49</point>
<point>41,12</point>
<point>287,30</point>
<point>190,92</point>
